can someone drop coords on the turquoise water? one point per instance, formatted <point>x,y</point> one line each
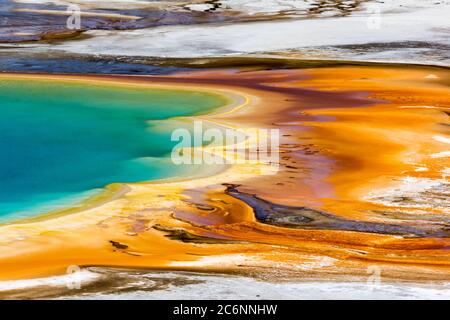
<point>60,141</point>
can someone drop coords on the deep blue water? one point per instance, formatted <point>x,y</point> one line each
<point>59,140</point>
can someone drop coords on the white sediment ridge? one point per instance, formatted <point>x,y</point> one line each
<point>396,31</point>
<point>71,279</point>
<point>226,288</point>
<point>144,286</point>
<point>412,192</point>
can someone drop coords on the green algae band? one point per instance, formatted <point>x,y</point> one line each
<point>61,139</point>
